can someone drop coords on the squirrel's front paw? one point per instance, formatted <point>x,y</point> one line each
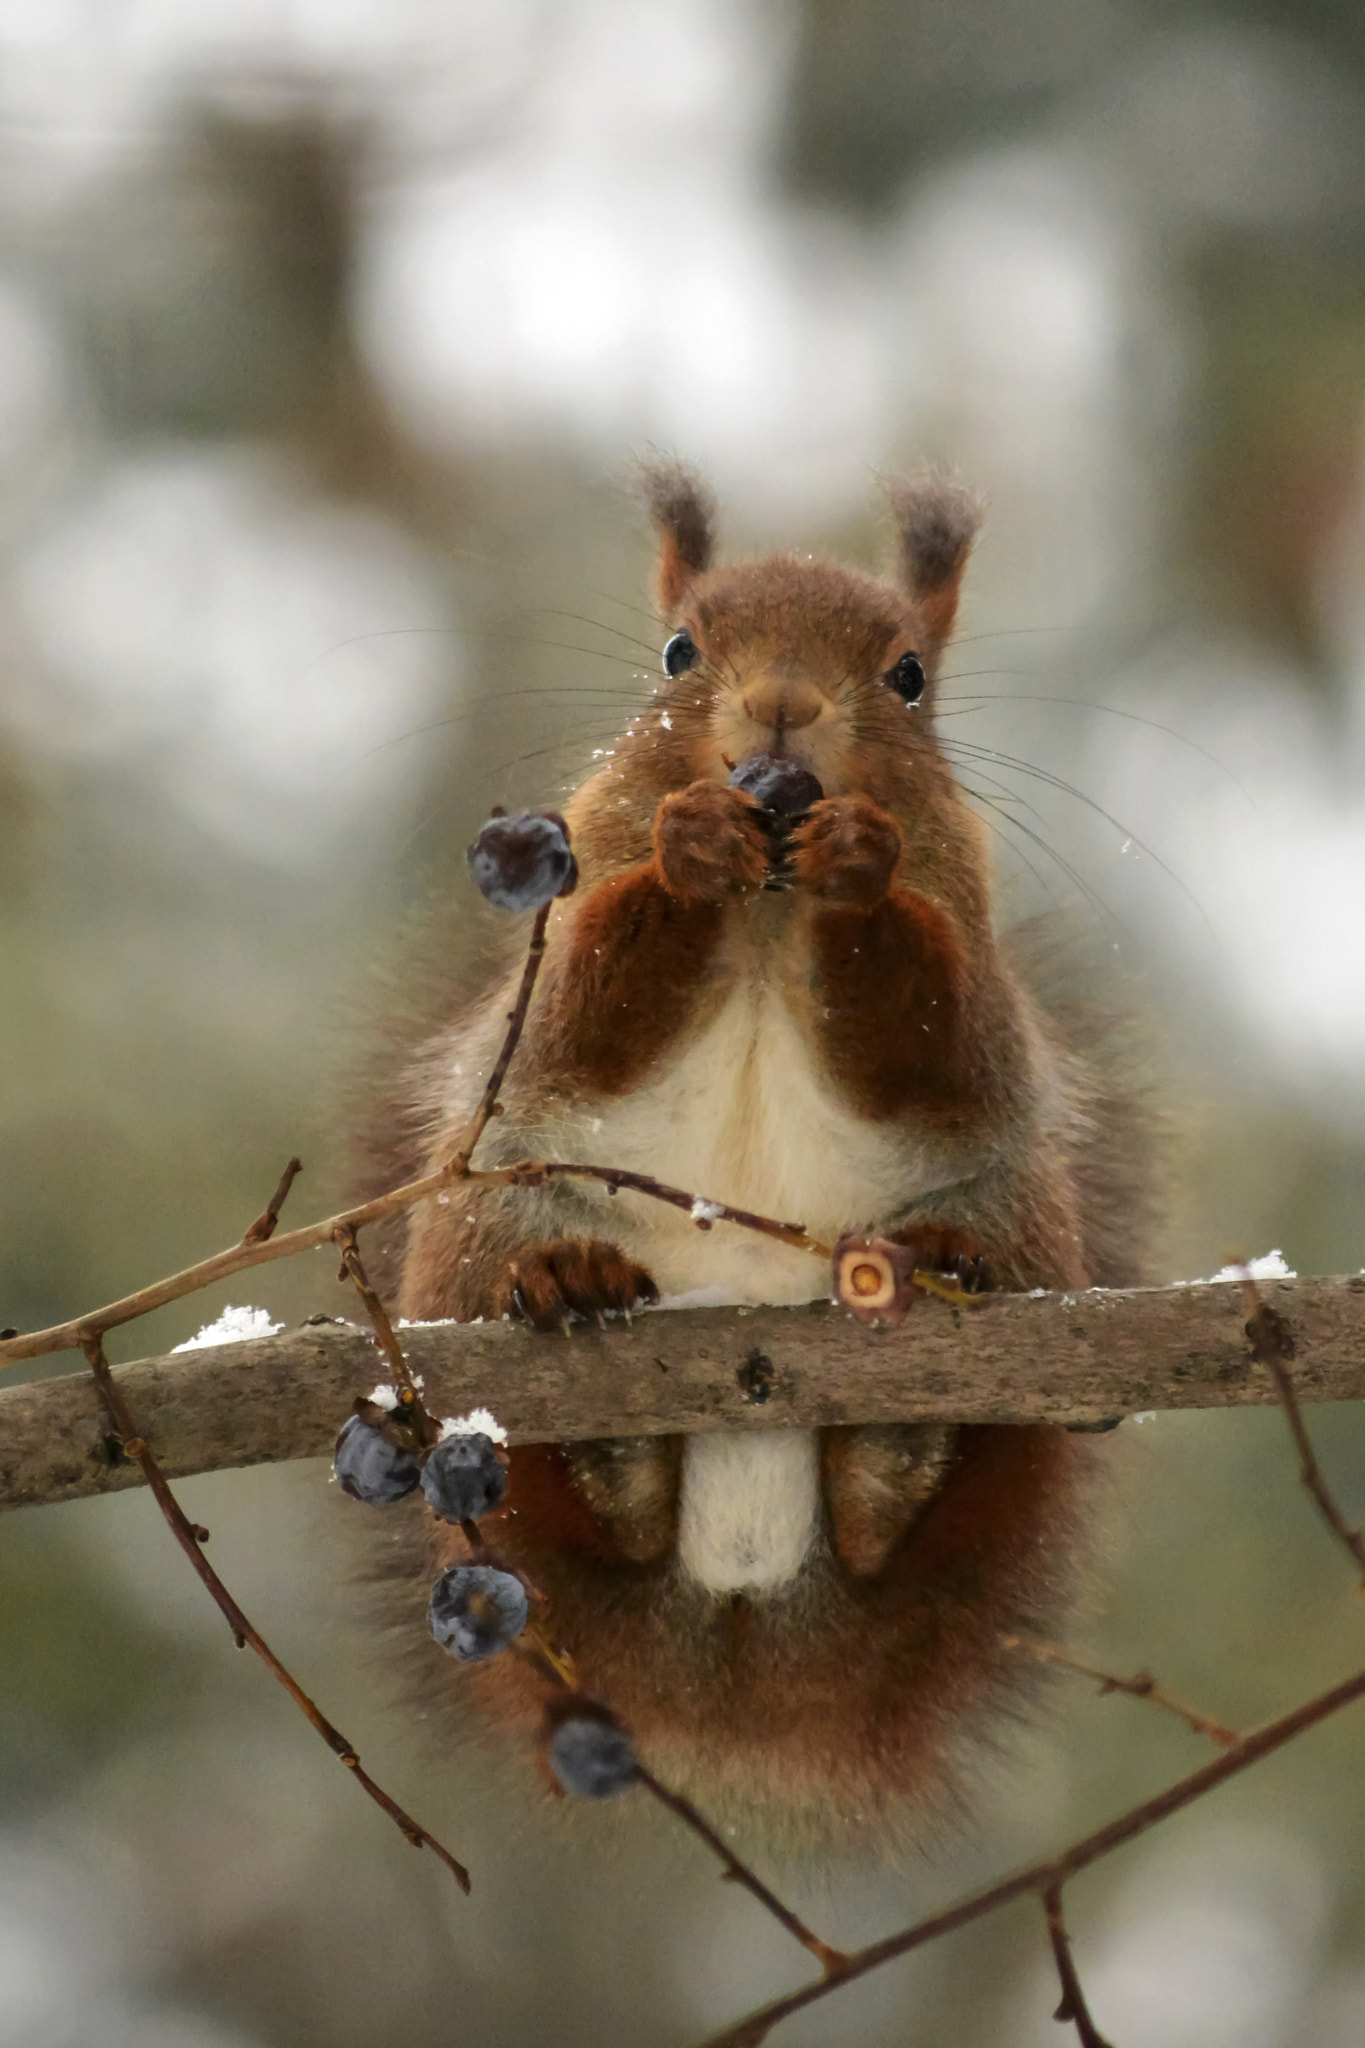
<point>846,850</point>
<point>548,1284</point>
<point>954,1254</point>
<point>710,842</point>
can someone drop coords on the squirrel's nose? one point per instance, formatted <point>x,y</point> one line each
<point>782,704</point>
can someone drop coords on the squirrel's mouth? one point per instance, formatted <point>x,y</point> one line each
<point>784,787</point>
<point>818,745</point>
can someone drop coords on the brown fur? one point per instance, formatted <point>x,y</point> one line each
<point>842,1713</point>
<point>936,522</point>
<point>851,1697</point>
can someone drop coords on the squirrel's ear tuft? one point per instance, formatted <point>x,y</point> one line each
<point>683,513</point>
<point>936,521</point>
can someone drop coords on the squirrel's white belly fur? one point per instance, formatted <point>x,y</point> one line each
<point>745,1116</point>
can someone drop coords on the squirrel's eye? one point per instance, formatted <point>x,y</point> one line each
<point>907,678</point>
<point>681,652</point>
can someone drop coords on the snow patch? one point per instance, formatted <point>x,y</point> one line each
<point>1270,1266</point>
<point>717,1295</point>
<point>478,1422</point>
<point>233,1326</point>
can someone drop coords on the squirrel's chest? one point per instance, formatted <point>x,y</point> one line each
<point>745,1114</point>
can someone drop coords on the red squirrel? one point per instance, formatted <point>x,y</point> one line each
<point>803,1629</point>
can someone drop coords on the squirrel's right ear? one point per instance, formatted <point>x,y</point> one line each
<point>936,521</point>
<point>684,514</point>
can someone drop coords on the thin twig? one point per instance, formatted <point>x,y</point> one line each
<point>261,1250</point>
<point>1040,1878</point>
<point>237,1258</point>
<point>1272,1345</point>
<point>310,1237</point>
<point>261,1245</point>
<point>533,1173</point>
<point>1073,2007</point>
<point>412,1409</point>
<point>190,1537</point>
<point>559,1666</point>
<point>70,1336</point>
<point>1141,1686</point>
<point>264,1226</point>
<point>353,1269</point>
<point>488,1104</point>
<point>831,1960</point>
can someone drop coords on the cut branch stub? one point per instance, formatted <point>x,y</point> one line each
<point>874,1278</point>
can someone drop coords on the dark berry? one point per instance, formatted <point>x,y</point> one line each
<point>369,1468</point>
<point>523,860</point>
<point>464,1477</point>
<point>782,786</point>
<point>592,1758</point>
<point>476,1610</point>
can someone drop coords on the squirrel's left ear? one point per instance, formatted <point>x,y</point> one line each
<point>936,522</point>
<point>683,513</point>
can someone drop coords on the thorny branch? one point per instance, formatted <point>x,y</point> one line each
<point>1041,1878</point>
<point>831,1960</point>
<point>191,1537</point>
<point>1272,1345</point>
<point>353,1269</point>
<point>1073,2006</point>
<point>535,1173</point>
<point>264,1226</point>
<point>1141,1686</point>
<point>488,1104</point>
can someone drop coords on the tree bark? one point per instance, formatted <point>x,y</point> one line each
<point>1073,1359</point>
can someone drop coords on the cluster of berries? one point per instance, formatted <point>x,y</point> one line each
<point>387,1449</point>
<point>476,1610</point>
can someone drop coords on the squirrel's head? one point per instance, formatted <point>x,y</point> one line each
<point>802,659</point>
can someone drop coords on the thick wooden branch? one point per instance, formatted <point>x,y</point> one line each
<point>1014,1358</point>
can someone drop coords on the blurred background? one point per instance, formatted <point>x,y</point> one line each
<point>325,329</point>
